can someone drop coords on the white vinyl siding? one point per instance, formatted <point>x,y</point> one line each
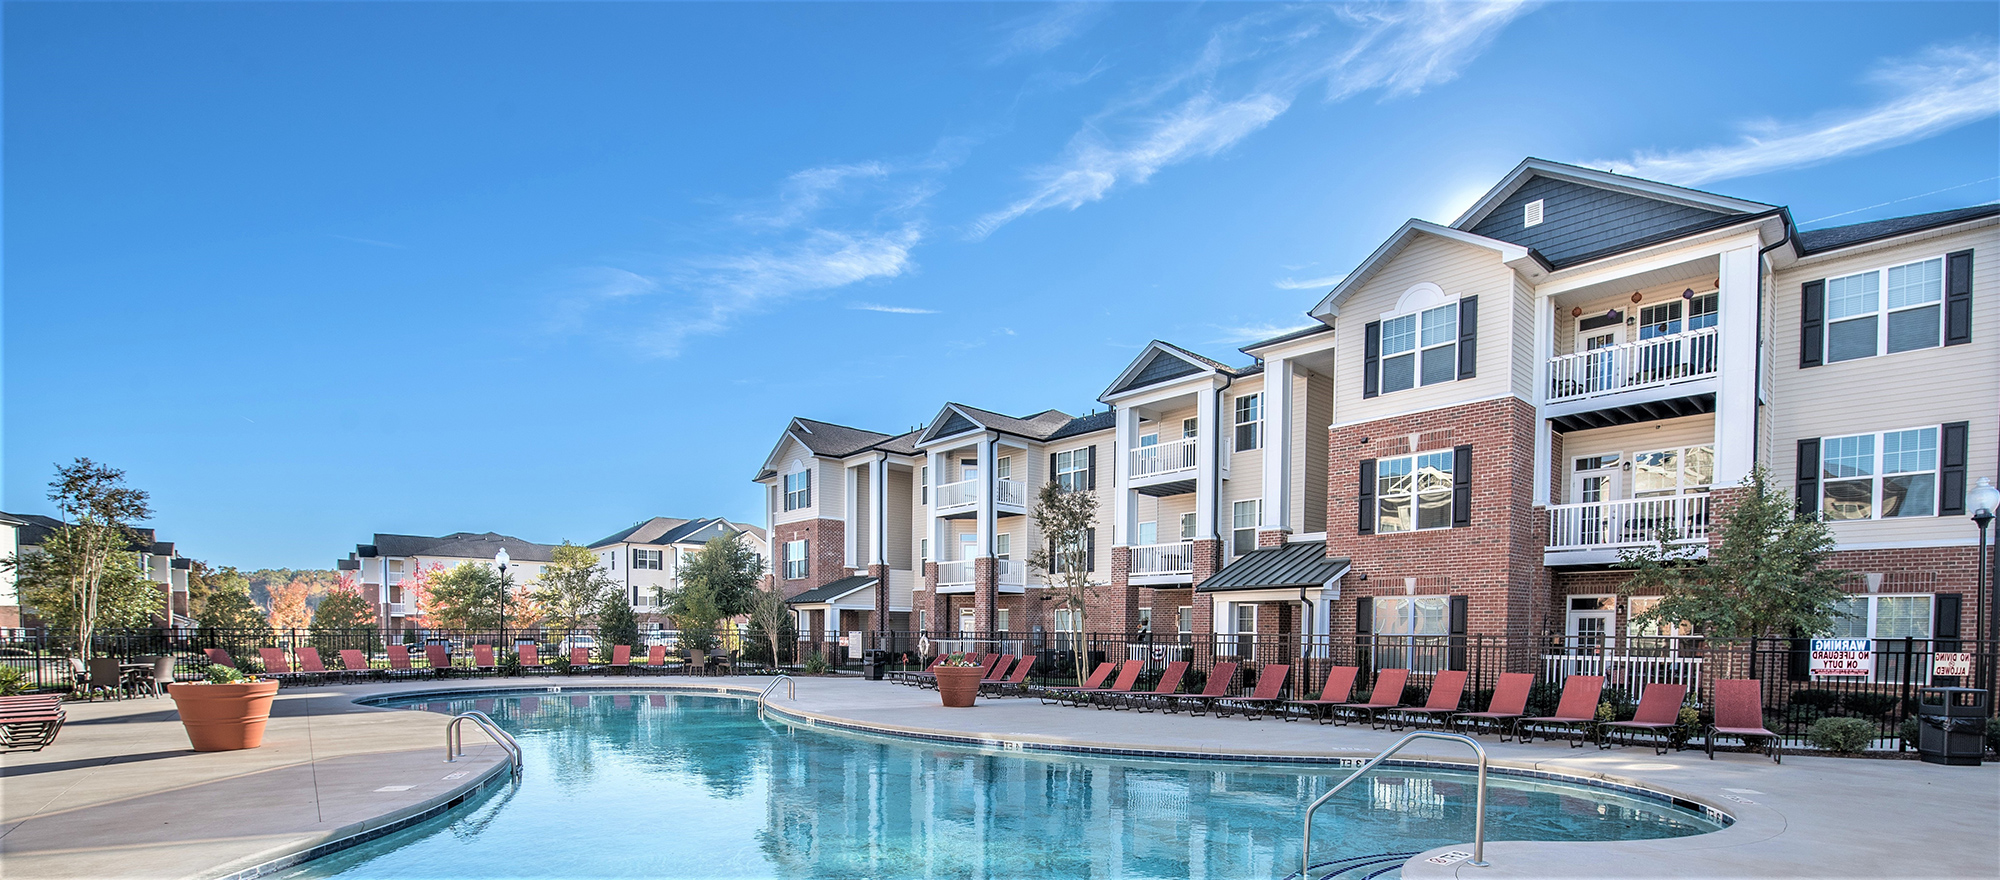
<point>1461,270</point>
<point>1885,311</point>
<point>1249,422</point>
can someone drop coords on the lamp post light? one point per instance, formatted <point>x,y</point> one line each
<point>500,559</point>
<point>1984,499</point>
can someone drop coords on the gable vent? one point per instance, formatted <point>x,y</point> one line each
<point>1532,214</point>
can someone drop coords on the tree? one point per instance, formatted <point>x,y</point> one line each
<point>342,615</point>
<point>696,612</point>
<point>616,624</point>
<point>290,608</point>
<point>770,616</point>
<point>728,570</point>
<point>416,588</point>
<point>572,586</point>
<point>48,581</point>
<point>229,605</point>
<point>98,510</point>
<point>1066,519</point>
<point>1765,577</point>
<point>467,596</point>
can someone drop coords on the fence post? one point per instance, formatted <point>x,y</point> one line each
<point>1903,706</point>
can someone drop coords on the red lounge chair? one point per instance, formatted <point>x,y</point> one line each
<point>1339,688</point>
<point>1739,713</point>
<point>1169,684</point>
<point>919,678</point>
<point>1128,675</point>
<point>1096,680</point>
<point>220,657</point>
<point>1013,684</point>
<point>30,722</point>
<point>1447,691</point>
<point>998,671</point>
<point>399,661</point>
<point>482,659</point>
<point>1388,694</point>
<point>656,659</point>
<point>1219,679</point>
<point>440,658</point>
<point>579,659</point>
<point>353,663</point>
<point>1509,703</point>
<point>276,666</point>
<point>1577,713</point>
<point>1267,696</point>
<point>309,664</point>
<point>1659,710</point>
<point>621,658</point>
<point>531,659</point>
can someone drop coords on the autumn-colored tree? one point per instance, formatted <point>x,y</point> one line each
<point>343,619</point>
<point>289,606</point>
<point>417,587</point>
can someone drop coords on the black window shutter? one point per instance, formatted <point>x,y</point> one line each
<point>1951,468</point>
<point>1367,496</point>
<point>1091,473</point>
<point>1958,298</point>
<point>1455,653</point>
<point>1468,337</point>
<point>809,487</point>
<point>1461,486</point>
<point>1052,467</point>
<point>1812,325</point>
<point>1945,627</point>
<point>806,559</point>
<point>1364,615</point>
<point>1371,360</point>
<point>1805,489</point>
<point>1090,550</point>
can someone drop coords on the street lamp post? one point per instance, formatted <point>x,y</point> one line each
<point>500,559</point>
<point>1983,499</point>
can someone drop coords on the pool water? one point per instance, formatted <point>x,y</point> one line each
<point>685,786</point>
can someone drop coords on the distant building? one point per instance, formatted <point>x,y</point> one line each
<point>645,557</point>
<point>22,533</point>
<point>383,566</point>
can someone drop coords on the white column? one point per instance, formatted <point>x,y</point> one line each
<point>1208,479</point>
<point>1545,332</point>
<point>851,535</point>
<point>1277,497</point>
<point>938,550</point>
<point>1125,507</point>
<point>1736,366</point>
<point>987,461</point>
<point>878,512</point>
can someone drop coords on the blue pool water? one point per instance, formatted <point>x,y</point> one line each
<point>683,786</point>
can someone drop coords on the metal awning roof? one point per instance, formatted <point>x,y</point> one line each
<point>1293,565</point>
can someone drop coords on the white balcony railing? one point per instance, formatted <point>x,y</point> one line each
<point>1628,523</point>
<point>396,609</point>
<point>955,573</point>
<point>964,493</point>
<point>1010,492</point>
<point>1163,458</point>
<point>1662,360</point>
<point>1632,673</point>
<point>1174,558</point>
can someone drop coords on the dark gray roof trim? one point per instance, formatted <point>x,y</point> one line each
<point>1813,241</point>
<point>1316,329</point>
<point>1089,424</point>
<point>1302,564</point>
<point>831,591</point>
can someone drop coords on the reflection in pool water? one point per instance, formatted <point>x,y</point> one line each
<point>659,785</point>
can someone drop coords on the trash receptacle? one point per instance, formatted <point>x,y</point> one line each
<point>871,665</point>
<point>1951,725</point>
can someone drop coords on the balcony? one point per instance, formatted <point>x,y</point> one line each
<point>962,498</point>
<point>1594,532</point>
<point>1162,563</point>
<point>1171,457</point>
<point>396,609</point>
<point>955,575</point>
<point>1633,366</point>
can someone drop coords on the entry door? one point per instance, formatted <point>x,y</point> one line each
<point>1600,371</point>
<point>1597,486</point>
<point>965,620</point>
<point>968,545</point>
<point>968,469</point>
<point>1590,619</point>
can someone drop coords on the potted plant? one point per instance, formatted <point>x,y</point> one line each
<point>958,681</point>
<point>225,712</point>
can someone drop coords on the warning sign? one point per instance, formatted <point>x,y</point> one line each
<point>1951,663</point>
<point>1842,658</point>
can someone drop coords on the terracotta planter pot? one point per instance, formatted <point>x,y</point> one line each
<point>958,685</point>
<point>222,717</point>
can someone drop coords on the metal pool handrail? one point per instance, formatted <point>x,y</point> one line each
<point>791,692</point>
<point>454,738</point>
<point>1479,814</point>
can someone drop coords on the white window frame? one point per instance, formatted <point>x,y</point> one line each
<point>1252,427</point>
<point>1000,619</point>
<point>798,490</point>
<point>649,560</point>
<point>1416,494</point>
<point>924,486</point>
<point>1883,310</point>
<point>1887,657</point>
<point>1146,619</point>
<point>1003,545</point>
<point>1190,426</point>
<point>1188,521</point>
<point>967,619</point>
<point>1184,619</point>
<point>924,549</point>
<point>1003,468</point>
<point>1681,484</point>
<point>1878,475</point>
<point>1419,349</point>
<point>1415,650</point>
<point>1237,528</point>
<point>1073,469</point>
<point>798,560</point>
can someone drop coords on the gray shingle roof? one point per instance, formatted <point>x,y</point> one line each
<point>1303,564</point>
<point>1816,240</point>
<point>829,439</point>
<point>1038,426</point>
<point>462,545</point>
<point>643,532</point>
<point>1301,333</point>
<point>1092,423</point>
<point>831,591</point>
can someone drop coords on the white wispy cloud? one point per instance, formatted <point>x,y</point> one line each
<point>1932,92</point>
<point>893,310</point>
<point>1308,283</point>
<point>1041,31</point>
<point>1247,333</point>
<point>1246,75</point>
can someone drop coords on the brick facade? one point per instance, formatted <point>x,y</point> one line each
<point>985,593</point>
<point>826,552</point>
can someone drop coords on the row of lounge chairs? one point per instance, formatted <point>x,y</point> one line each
<point>30,722</point>
<point>438,662</point>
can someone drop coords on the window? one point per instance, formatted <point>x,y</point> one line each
<point>1249,422</point>
<point>1672,471</point>
<point>1413,492</point>
<point>1004,468</point>
<point>1184,618</point>
<point>1072,469</point>
<point>1146,619</point>
<point>1066,620</point>
<point>647,559</point>
<point>1149,533</point>
<point>1188,427</point>
<point>1416,625</point>
<point>1638,605</point>
<point>1660,319</point>
<point>1003,545</point>
<point>1877,476</point>
<point>1243,532</point>
<point>1421,348</point>
<point>798,490</point>
<point>795,560</point>
<point>395,565</point>
<point>1246,629</point>
<point>924,549</point>
<point>1187,526</point>
<point>965,620</point>
<point>924,485</point>
<point>1899,308</point>
<point>1704,311</point>
<point>1885,618</point>
<point>1000,620</point>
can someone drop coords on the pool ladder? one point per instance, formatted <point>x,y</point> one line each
<point>791,692</point>
<point>454,738</point>
<point>1478,816</point>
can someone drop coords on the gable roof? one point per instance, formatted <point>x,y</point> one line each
<point>1162,362</point>
<point>1090,424</point>
<point>1532,168</point>
<point>832,591</point>
<point>668,530</point>
<point>1813,241</point>
<point>1587,214</point>
<point>958,418</point>
<point>641,532</point>
<point>1302,564</point>
<point>835,441</point>
<point>460,545</point>
<point>1329,306</point>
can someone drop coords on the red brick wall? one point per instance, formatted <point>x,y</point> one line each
<point>1496,561</point>
<point>1114,607</point>
<point>826,552</point>
<point>985,592</point>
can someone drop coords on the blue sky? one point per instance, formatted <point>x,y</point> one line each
<point>314,271</point>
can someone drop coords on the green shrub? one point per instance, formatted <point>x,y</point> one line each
<point>220,674</point>
<point>1796,715</point>
<point>1907,731</point>
<point>1841,736</point>
<point>1480,699</point>
<point>1686,727</point>
<point>13,681</point>
<point>1606,712</point>
<point>816,665</point>
<point>510,663</point>
<point>1871,705</point>
<point>1543,698</point>
<point>562,664</point>
<point>1620,701</point>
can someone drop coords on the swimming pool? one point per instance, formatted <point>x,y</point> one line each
<point>650,784</point>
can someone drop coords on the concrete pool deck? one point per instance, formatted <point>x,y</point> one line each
<point>120,794</point>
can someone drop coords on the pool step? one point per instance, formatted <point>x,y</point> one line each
<point>1358,867</point>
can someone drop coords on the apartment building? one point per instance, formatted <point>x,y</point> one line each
<point>384,567</point>
<point>25,533</point>
<point>1481,418</point>
<point>645,558</point>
